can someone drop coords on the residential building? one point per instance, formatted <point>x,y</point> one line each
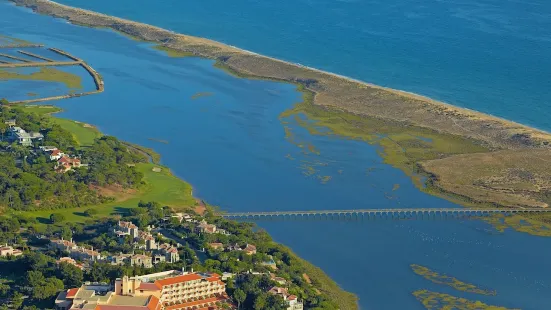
<point>269,263</point>
<point>85,254</point>
<point>170,252</point>
<point>234,247</point>
<point>277,279</point>
<point>66,163</point>
<point>141,260</point>
<point>19,135</point>
<point>292,300</point>
<point>7,250</point>
<point>169,290</point>
<point>102,297</point>
<point>126,229</point>
<point>250,249</point>
<point>205,228</point>
<point>216,245</point>
<point>158,258</point>
<point>47,148</point>
<point>150,243</point>
<point>185,291</point>
<point>75,251</point>
<point>56,154</point>
<point>70,261</point>
<point>63,245</point>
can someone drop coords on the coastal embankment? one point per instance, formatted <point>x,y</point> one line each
<point>363,111</point>
<point>98,81</point>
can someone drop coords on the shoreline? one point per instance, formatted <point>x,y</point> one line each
<point>331,90</point>
<point>325,283</point>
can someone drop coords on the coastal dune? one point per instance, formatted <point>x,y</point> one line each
<point>502,142</point>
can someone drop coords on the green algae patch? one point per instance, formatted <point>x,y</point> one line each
<point>401,145</point>
<point>201,94</point>
<point>172,52</point>
<point>537,225</point>
<point>6,40</point>
<point>443,279</point>
<point>441,301</point>
<point>72,81</point>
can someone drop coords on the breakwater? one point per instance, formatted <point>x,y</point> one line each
<point>98,81</point>
<point>15,58</point>
<point>20,45</point>
<point>35,56</point>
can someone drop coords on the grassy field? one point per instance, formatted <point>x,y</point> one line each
<point>72,81</point>
<point>512,177</point>
<point>162,187</point>
<point>84,134</point>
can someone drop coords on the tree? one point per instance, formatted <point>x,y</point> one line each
<point>90,212</point>
<point>239,296</point>
<point>66,233</point>
<point>72,276</point>
<point>35,278</point>
<point>17,300</point>
<point>49,288</point>
<point>4,101</point>
<point>260,302</point>
<point>57,218</point>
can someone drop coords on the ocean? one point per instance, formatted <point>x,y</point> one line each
<point>487,55</point>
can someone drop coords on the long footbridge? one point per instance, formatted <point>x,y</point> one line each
<point>384,213</point>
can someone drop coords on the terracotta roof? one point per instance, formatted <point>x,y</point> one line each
<point>292,297</point>
<point>153,303</point>
<point>148,286</point>
<point>64,160</point>
<point>115,307</point>
<point>55,152</point>
<point>178,279</point>
<point>72,292</point>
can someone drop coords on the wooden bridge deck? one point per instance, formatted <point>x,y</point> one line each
<point>387,212</point>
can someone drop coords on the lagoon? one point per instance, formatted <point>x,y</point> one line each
<point>232,146</point>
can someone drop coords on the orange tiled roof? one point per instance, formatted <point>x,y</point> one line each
<point>115,307</point>
<point>178,279</point>
<point>72,292</point>
<point>148,286</point>
<point>153,303</point>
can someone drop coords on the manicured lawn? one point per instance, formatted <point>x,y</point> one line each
<point>162,187</point>
<point>83,133</point>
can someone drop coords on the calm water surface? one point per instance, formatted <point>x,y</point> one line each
<point>488,55</point>
<point>231,146</point>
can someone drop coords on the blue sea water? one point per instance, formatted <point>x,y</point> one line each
<point>231,146</point>
<point>487,55</point>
